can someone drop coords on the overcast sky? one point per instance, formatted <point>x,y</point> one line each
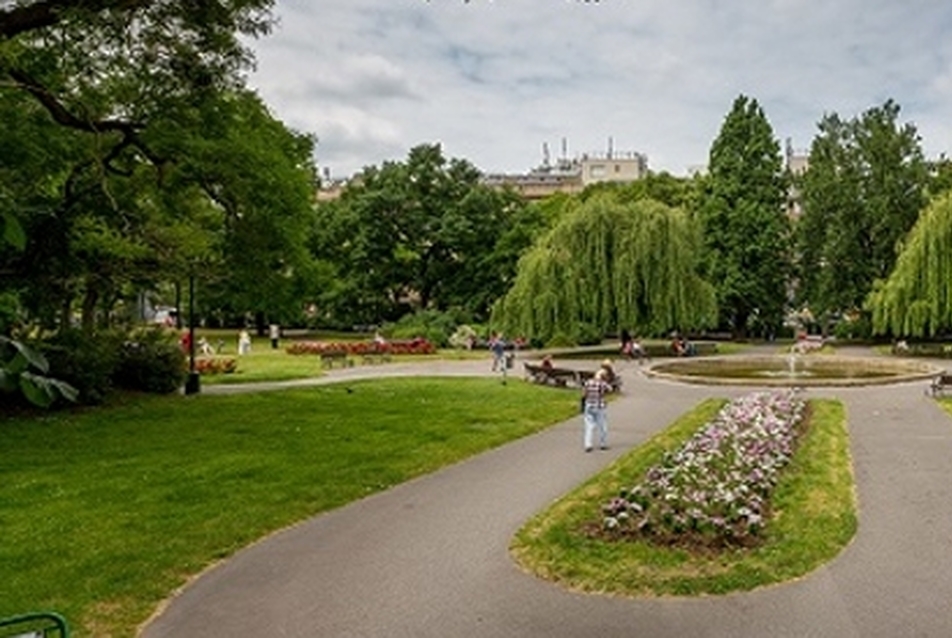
<point>492,80</point>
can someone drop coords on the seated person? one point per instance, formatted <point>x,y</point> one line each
<point>677,346</point>
<point>547,362</point>
<point>637,350</point>
<point>609,375</point>
<point>688,348</point>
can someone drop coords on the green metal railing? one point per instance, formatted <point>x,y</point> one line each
<point>34,625</point>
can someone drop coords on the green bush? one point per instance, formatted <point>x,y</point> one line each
<point>86,362</point>
<point>9,312</point>
<point>150,361</point>
<point>560,340</point>
<point>858,328</point>
<point>433,325</point>
<point>464,337</point>
<point>588,335</point>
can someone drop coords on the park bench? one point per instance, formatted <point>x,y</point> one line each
<point>375,357</point>
<point>563,377</point>
<point>330,357</point>
<point>939,383</point>
<point>553,376</point>
<point>35,625</point>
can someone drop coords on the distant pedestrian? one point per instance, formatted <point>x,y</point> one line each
<point>186,341</point>
<point>497,345</point>
<point>244,342</point>
<point>594,413</point>
<point>274,332</point>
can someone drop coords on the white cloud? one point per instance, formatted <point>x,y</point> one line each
<point>493,80</point>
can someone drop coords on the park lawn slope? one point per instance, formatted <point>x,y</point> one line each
<point>814,508</point>
<point>107,511</point>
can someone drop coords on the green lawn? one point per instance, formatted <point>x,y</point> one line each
<point>106,511</point>
<point>946,403</point>
<point>815,517</point>
<point>264,363</point>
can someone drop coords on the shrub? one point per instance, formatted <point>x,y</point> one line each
<point>150,361</point>
<point>560,340</point>
<point>588,335</point>
<point>432,325</point>
<point>857,328</point>
<point>86,362</point>
<point>464,337</point>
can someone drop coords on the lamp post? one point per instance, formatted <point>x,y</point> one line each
<point>192,383</point>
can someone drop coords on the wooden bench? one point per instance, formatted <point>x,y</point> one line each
<point>939,384</point>
<point>329,357</point>
<point>563,377</point>
<point>375,357</point>
<point>553,376</point>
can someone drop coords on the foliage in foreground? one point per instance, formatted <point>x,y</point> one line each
<point>815,495</point>
<point>23,370</point>
<point>107,511</point>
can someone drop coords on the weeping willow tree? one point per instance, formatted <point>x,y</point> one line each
<point>609,265</point>
<point>916,299</point>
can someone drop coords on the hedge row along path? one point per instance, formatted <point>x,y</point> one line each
<point>430,557</point>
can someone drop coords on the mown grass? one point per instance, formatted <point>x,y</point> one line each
<point>946,404</point>
<point>814,518</point>
<point>105,512</point>
<point>265,363</point>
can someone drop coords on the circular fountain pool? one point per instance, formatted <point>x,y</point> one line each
<point>779,370</point>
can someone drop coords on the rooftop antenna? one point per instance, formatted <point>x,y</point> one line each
<point>565,148</point>
<point>610,144</point>
<point>545,154</point>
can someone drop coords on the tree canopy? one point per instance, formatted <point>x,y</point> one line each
<point>746,233</point>
<point>420,234</point>
<point>863,191</point>
<point>609,264</point>
<point>916,299</point>
<point>139,158</point>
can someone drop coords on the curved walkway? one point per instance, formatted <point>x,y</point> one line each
<point>429,557</point>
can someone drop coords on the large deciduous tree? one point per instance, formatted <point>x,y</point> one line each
<point>916,299</point>
<point>419,234</point>
<point>863,191</point>
<point>746,233</point>
<point>149,159</point>
<point>609,265</point>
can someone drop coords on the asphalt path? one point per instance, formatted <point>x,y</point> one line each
<point>430,557</point>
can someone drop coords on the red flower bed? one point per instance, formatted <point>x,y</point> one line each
<point>215,366</point>
<point>411,346</point>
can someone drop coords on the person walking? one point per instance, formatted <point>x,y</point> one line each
<point>497,345</point>
<point>274,332</point>
<point>594,406</point>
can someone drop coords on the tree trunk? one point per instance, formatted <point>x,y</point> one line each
<point>66,313</point>
<point>90,299</point>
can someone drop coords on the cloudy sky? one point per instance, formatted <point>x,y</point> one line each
<point>493,80</point>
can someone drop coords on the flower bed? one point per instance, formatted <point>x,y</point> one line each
<point>714,491</point>
<point>216,366</point>
<point>411,346</point>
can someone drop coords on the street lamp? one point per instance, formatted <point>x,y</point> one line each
<point>192,383</point>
